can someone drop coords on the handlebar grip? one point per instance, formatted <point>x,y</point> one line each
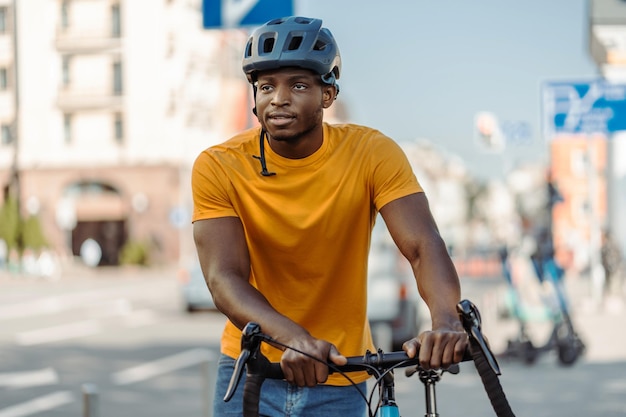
<point>491,382</point>
<point>274,371</point>
<point>252,394</point>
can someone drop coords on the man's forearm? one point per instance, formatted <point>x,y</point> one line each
<point>439,286</point>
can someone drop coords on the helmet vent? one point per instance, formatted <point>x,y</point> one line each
<point>319,46</point>
<point>294,43</point>
<point>303,20</point>
<point>268,45</point>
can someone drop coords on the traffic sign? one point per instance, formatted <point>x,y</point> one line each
<point>583,107</point>
<point>220,14</point>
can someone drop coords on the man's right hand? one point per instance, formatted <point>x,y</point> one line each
<point>304,371</point>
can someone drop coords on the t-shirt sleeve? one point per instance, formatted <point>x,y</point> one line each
<point>210,189</point>
<point>392,174</point>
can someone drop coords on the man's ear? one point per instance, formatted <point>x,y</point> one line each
<point>329,94</point>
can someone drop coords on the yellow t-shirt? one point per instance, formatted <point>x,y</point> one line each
<point>308,227</point>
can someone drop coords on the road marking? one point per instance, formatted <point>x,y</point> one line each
<point>46,376</point>
<point>162,366</point>
<point>140,318</point>
<point>38,405</point>
<point>46,305</point>
<point>58,333</point>
<point>109,308</point>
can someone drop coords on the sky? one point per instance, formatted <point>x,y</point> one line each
<point>424,69</point>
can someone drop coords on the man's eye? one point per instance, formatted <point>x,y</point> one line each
<point>265,88</point>
<point>299,86</point>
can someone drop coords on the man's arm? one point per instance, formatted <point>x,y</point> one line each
<point>225,263</point>
<point>224,259</point>
<point>414,231</point>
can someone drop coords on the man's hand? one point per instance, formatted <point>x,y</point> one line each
<point>305,371</point>
<point>438,348</point>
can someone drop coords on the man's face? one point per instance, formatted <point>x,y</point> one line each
<point>290,102</point>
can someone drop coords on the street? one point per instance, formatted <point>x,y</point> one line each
<point>126,334</point>
<point>123,335</point>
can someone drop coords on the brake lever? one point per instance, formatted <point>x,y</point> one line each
<point>470,317</point>
<point>249,345</point>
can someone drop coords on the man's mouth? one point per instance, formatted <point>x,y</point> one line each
<point>280,119</point>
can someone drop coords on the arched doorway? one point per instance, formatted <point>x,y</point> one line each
<point>101,216</point>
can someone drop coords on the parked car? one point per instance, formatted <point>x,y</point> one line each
<point>194,292</point>
<point>393,300</point>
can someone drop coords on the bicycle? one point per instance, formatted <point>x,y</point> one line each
<point>379,364</point>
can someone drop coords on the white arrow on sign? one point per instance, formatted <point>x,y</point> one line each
<point>233,11</point>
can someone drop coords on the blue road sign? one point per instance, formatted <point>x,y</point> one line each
<point>585,107</point>
<point>221,14</point>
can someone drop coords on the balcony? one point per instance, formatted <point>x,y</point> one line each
<point>89,98</point>
<point>96,39</point>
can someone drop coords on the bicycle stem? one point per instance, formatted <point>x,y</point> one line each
<point>430,378</point>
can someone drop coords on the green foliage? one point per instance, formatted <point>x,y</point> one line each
<point>135,253</point>
<point>32,234</point>
<point>10,223</point>
<point>20,233</point>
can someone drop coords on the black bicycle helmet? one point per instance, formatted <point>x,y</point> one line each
<point>292,42</point>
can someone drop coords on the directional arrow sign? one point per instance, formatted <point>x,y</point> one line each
<point>585,107</point>
<point>219,14</point>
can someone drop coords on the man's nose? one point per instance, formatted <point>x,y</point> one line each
<point>281,96</point>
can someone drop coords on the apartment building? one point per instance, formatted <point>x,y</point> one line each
<point>579,168</point>
<point>607,45</point>
<point>102,111</point>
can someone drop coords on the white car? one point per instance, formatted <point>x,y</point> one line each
<point>393,299</point>
<point>194,291</point>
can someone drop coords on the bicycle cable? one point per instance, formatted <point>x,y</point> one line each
<point>332,366</point>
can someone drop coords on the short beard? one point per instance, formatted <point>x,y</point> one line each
<point>290,138</point>
<point>294,138</point>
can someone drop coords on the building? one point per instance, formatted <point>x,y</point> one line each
<point>579,171</point>
<point>104,105</point>
<point>607,45</point>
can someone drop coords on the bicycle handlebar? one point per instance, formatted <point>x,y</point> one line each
<point>371,361</point>
<point>259,367</point>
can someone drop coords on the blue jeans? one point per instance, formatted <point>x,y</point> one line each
<point>279,398</point>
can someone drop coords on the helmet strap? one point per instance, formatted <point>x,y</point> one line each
<point>254,98</point>
<point>261,158</point>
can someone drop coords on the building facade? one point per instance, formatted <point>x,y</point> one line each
<point>104,105</point>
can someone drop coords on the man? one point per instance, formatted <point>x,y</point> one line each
<point>282,222</point>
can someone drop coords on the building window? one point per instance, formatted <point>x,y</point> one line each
<point>3,20</point>
<point>116,21</point>
<point>65,14</point>
<point>66,70</point>
<point>117,78</point>
<point>67,128</point>
<point>5,133</point>
<point>4,79</point>
<point>119,128</point>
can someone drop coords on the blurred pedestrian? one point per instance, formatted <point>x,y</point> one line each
<point>612,262</point>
